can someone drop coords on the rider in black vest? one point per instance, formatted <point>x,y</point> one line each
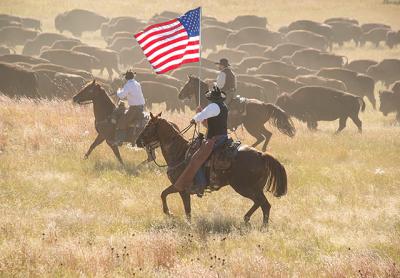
<point>226,79</point>
<point>215,117</point>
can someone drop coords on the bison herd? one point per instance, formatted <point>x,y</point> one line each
<point>293,66</point>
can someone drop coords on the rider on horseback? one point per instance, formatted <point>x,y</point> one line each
<point>226,79</point>
<point>216,116</point>
<point>132,91</point>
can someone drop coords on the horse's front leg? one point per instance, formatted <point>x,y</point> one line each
<point>171,189</point>
<point>99,139</point>
<point>186,203</point>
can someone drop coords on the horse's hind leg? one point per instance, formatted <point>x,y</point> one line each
<point>267,134</point>
<point>248,215</point>
<point>171,189</point>
<point>99,139</point>
<point>265,206</point>
<point>256,133</point>
<point>115,150</point>
<point>186,204</point>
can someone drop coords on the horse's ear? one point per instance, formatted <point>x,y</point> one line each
<point>94,81</point>
<point>159,115</point>
<point>151,116</point>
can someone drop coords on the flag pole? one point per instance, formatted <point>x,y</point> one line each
<point>200,39</point>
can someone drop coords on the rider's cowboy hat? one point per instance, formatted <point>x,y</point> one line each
<point>224,62</point>
<point>129,74</point>
<point>215,94</point>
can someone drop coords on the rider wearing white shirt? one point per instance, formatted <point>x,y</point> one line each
<point>132,91</point>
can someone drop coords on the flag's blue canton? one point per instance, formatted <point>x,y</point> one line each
<point>191,22</point>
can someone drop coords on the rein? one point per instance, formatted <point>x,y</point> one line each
<point>155,145</point>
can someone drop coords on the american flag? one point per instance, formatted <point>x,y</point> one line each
<point>172,43</point>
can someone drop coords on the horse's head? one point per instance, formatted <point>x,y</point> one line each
<point>149,135</point>
<point>189,88</point>
<point>88,93</point>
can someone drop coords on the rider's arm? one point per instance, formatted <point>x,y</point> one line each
<point>221,80</point>
<point>210,111</point>
<point>123,93</point>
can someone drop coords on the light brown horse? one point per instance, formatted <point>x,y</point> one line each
<point>254,116</point>
<point>251,172</point>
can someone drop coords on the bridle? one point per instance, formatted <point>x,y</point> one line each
<point>150,147</point>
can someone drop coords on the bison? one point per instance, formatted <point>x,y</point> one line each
<point>344,32</point>
<point>375,36</point>
<point>312,80</point>
<point>387,71</point>
<point>315,59</point>
<point>250,62</point>
<point>283,49</point>
<point>234,56</point>
<point>78,21</point>
<point>243,21</point>
<point>312,104</point>
<point>285,84</point>
<point>215,35</point>
<point>33,47</point>
<point>356,83</point>
<point>16,81</point>
<point>253,35</point>
<point>17,58</point>
<point>68,58</point>
<point>280,68</point>
<point>271,89</point>
<point>390,103</point>
<point>360,66</point>
<point>253,49</point>
<point>108,59</point>
<point>392,38</point>
<point>13,35</point>
<point>307,38</point>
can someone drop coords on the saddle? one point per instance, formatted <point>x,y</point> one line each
<point>218,165</point>
<point>134,128</point>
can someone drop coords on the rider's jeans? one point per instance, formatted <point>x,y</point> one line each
<point>200,178</point>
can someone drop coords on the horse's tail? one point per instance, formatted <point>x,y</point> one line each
<point>362,104</point>
<point>279,119</point>
<point>277,178</point>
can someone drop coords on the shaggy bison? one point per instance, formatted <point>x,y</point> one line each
<point>315,59</point>
<point>253,49</point>
<point>280,68</point>
<point>271,89</point>
<point>16,58</point>
<point>312,80</point>
<point>250,62</point>
<point>356,83</point>
<point>375,36</point>
<point>307,38</point>
<point>68,58</point>
<point>61,69</point>
<point>13,35</point>
<point>392,38</point>
<point>283,49</point>
<point>253,35</point>
<point>108,59</point>
<point>243,21</point>
<point>215,36</point>
<point>285,84</point>
<point>16,81</point>
<point>33,47</point>
<point>390,103</point>
<point>78,21</point>
<point>360,66</point>
<point>387,71</point>
<point>344,32</point>
<point>312,104</point>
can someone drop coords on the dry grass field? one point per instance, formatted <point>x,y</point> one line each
<point>62,216</point>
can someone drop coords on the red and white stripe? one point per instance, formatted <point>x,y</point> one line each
<point>167,45</point>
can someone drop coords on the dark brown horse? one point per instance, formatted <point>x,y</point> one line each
<point>251,170</point>
<point>102,108</point>
<point>251,113</point>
